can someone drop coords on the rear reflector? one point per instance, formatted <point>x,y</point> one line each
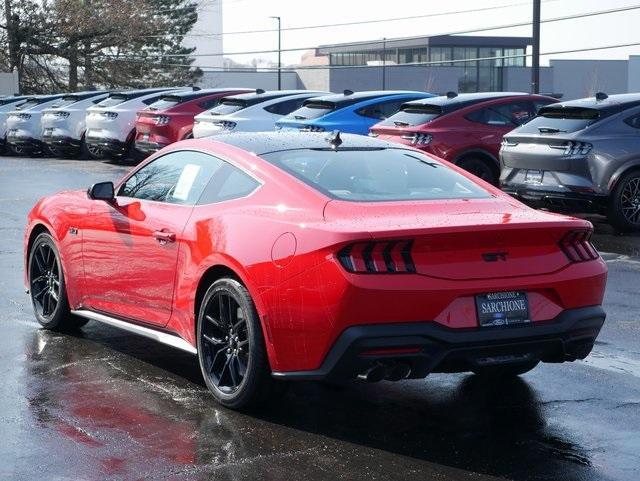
<point>576,245</point>
<point>390,257</point>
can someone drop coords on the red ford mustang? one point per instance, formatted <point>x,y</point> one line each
<point>282,256</point>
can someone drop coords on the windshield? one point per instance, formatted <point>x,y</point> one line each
<point>165,103</point>
<point>228,106</point>
<point>311,110</point>
<point>551,120</point>
<point>375,174</point>
<point>112,100</point>
<point>65,101</point>
<point>413,114</point>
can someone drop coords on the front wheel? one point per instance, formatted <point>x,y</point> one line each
<point>231,348</point>
<point>47,287</point>
<point>624,205</point>
<point>506,370</point>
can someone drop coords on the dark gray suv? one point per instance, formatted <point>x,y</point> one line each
<point>579,156</point>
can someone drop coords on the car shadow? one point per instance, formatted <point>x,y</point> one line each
<point>495,427</point>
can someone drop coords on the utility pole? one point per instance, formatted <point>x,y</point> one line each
<point>535,59</point>
<point>384,63</point>
<point>279,52</point>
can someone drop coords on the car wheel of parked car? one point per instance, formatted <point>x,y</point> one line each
<point>95,153</point>
<point>47,287</point>
<point>506,370</point>
<point>624,203</point>
<point>479,168</point>
<point>231,348</point>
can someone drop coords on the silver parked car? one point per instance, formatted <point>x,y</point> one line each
<point>24,129</point>
<point>7,104</point>
<point>579,156</point>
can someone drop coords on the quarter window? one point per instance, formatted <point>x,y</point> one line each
<point>633,121</point>
<point>285,107</point>
<point>503,115</point>
<point>382,110</point>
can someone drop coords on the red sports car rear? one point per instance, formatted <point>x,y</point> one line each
<point>278,256</point>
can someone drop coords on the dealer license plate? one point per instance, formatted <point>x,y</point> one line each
<point>502,308</point>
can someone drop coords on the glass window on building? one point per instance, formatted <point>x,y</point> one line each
<point>440,54</point>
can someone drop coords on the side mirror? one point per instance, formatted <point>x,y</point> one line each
<point>102,191</point>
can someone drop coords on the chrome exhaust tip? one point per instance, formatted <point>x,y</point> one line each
<point>374,373</point>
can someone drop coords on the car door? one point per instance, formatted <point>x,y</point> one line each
<point>131,245</point>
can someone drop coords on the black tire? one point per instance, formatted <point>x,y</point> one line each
<point>623,210</point>
<point>480,168</point>
<point>83,151</point>
<point>17,150</point>
<point>234,363</point>
<point>47,288</point>
<point>506,370</point>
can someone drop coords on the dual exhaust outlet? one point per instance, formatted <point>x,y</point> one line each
<point>389,372</point>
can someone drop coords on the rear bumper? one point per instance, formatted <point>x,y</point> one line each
<point>25,142</point>
<point>563,201</point>
<point>149,146</point>
<point>61,142</point>
<point>430,347</point>
<point>106,144</point>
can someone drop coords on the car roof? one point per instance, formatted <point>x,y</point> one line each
<point>86,94</point>
<point>609,105</point>
<point>273,94</point>
<point>460,101</point>
<point>264,142</point>
<point>140,92</point>
<point>343,100</point>
<point>186,95</point>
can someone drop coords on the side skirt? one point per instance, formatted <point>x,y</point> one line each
<point>159,336</point>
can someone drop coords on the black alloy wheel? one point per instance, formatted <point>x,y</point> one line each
<point>624,204</point>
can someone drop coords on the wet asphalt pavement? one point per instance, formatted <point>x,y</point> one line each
<point>105,405</point>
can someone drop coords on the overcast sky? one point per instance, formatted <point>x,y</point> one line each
<point>602,30</point>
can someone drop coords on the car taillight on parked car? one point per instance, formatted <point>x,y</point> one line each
<point>22,116</point>
<point>110,115</point>
<point>576,245</point>
<point>311,128</point>
<point>226,124</point>
<point>387,257</point>
<point>161,119</point>
<point>573,148</point>
<point>418,138</point>
<point>61,115</point>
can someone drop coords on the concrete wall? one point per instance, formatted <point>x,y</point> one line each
<point>633,74</point>
<point>583,78</point>
<point>250,79</point>
<point>518,79</point>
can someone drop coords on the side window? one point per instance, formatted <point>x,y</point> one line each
<point>503,115</point>
<point>228,183</point>
<point>382,110</point>
<point>633,121</point>
<point>285,107</point>
<point>209,104</point>
<point>176,178</point>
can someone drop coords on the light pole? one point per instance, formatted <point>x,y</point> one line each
<point>535,58</point>
<point>279,53</point>
<point>384,63</point>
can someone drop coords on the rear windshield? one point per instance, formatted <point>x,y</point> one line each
<point>10,100</point>
<point>552,120</point>
<point>228,106</point>
<point>312,110</point>
<point>413,114</point>
<point>113,100</point>
<point>65,101</point>
<point>375,174</point>
<point>165,103</point>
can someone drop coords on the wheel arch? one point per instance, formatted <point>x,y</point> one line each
<point>479,153</point>
<point>621,171</point>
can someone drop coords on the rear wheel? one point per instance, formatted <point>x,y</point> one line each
<point>480,168</point>
<point>231,348</point>
<point>506,370</point>
<point>47,287</point>
<point>624,203</point>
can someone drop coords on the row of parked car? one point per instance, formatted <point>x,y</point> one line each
<point>579,156</point>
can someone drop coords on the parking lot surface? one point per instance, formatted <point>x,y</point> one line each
<point>106,405</point>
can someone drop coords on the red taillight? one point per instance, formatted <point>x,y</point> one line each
<point>576,245</point>
<point>388,257</point>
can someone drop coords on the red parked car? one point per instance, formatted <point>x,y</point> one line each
<point>465,129</point>
<point>287,256</point>
<point>170,118</point>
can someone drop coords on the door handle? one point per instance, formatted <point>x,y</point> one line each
<point>163,236</point>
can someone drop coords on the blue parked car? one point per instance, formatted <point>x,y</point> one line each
<point>348,112</point>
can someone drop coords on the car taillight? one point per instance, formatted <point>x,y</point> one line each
<point>387,257</point>
<point>226,125</point>
<point>508,143</point>
<point>110,115</point>
<point>161,119</point>
<point>573,147</point>
<point>373,134</point>
<point>311,128</point>
<point>22,116</point>
<point>418,138</point>
<point>576,245</point>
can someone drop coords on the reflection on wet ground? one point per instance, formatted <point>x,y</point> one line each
<point>103,405</point>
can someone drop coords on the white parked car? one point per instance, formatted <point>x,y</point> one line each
<point>24,130</point>
<point>254,112</point>
<point>63,125</point>
<point>7,104</point>
<point>111,123</point>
